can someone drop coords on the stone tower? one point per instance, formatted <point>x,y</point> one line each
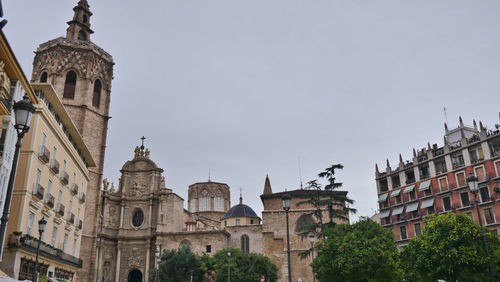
<point>81,73</point>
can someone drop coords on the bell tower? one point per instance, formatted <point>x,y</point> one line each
<point>81,73</point>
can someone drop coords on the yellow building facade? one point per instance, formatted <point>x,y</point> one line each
<point>51,183</point>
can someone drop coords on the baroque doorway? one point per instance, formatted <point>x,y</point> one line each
<point>135,276</point>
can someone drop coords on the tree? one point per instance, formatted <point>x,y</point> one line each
<point>335,203</point>
<point>244,266</point>
<point>178,266</point>
<point>364,251</point>
<point>450,248</point>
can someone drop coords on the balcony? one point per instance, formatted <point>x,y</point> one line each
<point>54,166</point>
<point>30,244</point>
<point>60,209</point>
<point>74,189</point>
<point>44,154</point>
<point>38,191</point>
<point>50,201</point>
<point>82,198</point>
<point>64,178</point>
<point>71,218</point>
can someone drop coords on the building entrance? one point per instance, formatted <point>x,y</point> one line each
<point>135,276</point>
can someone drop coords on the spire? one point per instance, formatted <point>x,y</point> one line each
<point>460,121</point>
<point>79,26</point>
<point>414,152</point>
<point>400,158</point>
<point>445,127</point>
<point>387,162</point>
<point>428,146</point>
<point>376,168</point>
<point>475,124</point>
<point>267,186</point>
<point>481,127</point>
<point>241,198</point>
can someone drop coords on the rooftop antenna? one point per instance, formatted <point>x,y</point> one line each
<point>445,114</point>
<point>300,176</point>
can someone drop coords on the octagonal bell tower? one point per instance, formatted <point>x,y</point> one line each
<point>81,73</point>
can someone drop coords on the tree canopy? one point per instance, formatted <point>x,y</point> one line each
<point>179,265</point>
<point>244,266</point>
<point>450,248</point>
<point>364,251</point>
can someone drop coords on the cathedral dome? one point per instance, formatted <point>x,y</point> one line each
<point>240,210</point>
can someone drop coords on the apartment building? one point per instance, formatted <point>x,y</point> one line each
<point>434,181</point>
<point>51,183</point>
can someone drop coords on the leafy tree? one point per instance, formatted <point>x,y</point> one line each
<point>336,204</point>
<point>178,266</point>
<point>364,251</point>
<point>450,248</point>
<point>244,266</point>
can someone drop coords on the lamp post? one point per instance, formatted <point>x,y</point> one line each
<point>311,239</point>
<point>228,265</point>
<point>23,111</point>
<point>286,206</point>
<point>41,228</point>
<point>472,181</point>
<point>158,260</point>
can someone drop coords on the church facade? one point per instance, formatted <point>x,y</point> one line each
<point>143,215</point>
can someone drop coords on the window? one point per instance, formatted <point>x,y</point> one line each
<point>398,199</point>
<point>384,187</point>
<point>245,243</point>
<point>237,222</point>
<point>412,194</point>
<point>161,218</point>
<point>77,216</point>
<point>43,77</point>
<point>461,179</point>
<point>476,154</point>
<point>74,179</point>
<point>54,152</point>
<point>424,171</point>
<point>443,183</point>
<point>495,147</point>
<point>69,209</point>
<point>29,228</point>
<point>84,18</point>
<point>497,166</point>
<point>395,181</point>
<point>138,218</point>
<point>209,249</point>
<point>49,185</point>
<point>65,242</point>
<point>446,203</point>
<point>457,160</point>
<point>96,99</point>
<point>225,222</point>
<point>192,205</point>
<point>410,176</point>
<point>489,216</point>
<point>418,229</point>
<point>64,166</point>
<point>204,201</point>
<point>440,166</point>
<point>304,222</point>
<point>44,139</point>
<point>479,171</point>
<point>219,202</point>
<point>59,196</point>
<point>485,194</point>
<point>70,85</point>
<point>430,210</point>
<point>37,181</point>
<point>54,237</point>
<point>464,196</point>
<point>73,253</point>
<point>403,234</point>
<point>251,221</point>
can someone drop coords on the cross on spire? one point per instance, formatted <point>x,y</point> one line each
<point>142,138</point>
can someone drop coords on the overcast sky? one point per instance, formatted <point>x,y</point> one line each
<point>246,88</point>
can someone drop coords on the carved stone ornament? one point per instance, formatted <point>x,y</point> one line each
<point>138,186</point>
<point>134,259</point>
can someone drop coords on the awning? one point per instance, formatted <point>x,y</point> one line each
<point>409,188</point>
<point>398,210</point>
<point>384,214</point>
<point>424,185</point>
<point>382,197</point>
<point>395,193</point>
<point>412,207</point>
<point>427,203</point>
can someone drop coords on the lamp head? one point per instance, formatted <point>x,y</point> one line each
<point>228,253</point>
<point>311,238</point>
<point>286,201</point>
<point>41,225</point>
<point>23,110</point>
<point>472,182</point>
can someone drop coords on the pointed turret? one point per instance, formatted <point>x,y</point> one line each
<point>481,127</point>
<point>267,186</point>
<point>387,163</point>
<point>401,160</point>
<point>475,124</point>
<point>428,146</point>
<point>79,26</point>
<point>414,152</point>
<point>446,128</point>
<point>376,168</point>
<point>460,121</point>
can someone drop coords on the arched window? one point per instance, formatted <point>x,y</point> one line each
<point>204,201</point>
<point>43,77</point>
<point>219,201</point>
<point>82,35</point>
<point>304,223</point>
<point>245,243</point>
<point>84,18</point>
<point>96,99</point>
<point>69,85</point>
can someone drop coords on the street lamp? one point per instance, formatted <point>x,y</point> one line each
<point>228,265</point>
<point>311,239</point>
<point>472,181</point>
<point>41,228</point>
<point>286,206</point>
<point>158,260</point>
<point>23,111</point>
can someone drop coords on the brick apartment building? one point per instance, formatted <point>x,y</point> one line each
<point>434,181</point>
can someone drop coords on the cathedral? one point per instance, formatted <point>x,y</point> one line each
<point>124,227</point>
<point>144,215</point>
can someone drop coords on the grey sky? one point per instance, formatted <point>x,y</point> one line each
<point>245,88</point>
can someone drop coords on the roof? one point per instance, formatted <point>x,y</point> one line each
<point>240,210</point>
